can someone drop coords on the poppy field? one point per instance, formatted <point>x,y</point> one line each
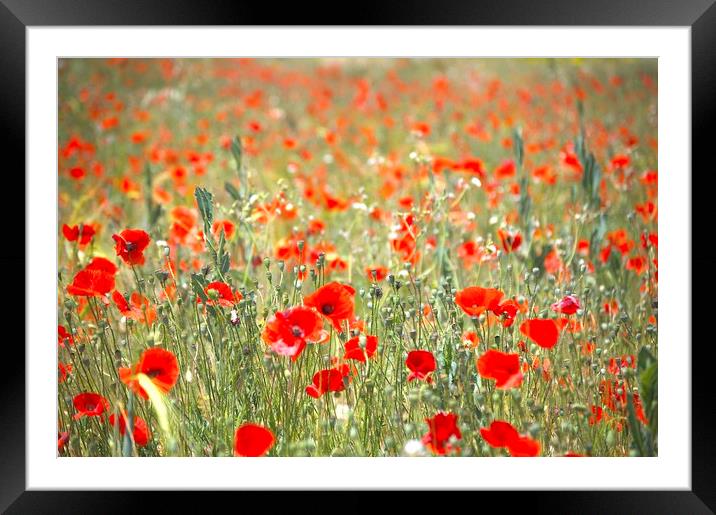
<point>357,257</point>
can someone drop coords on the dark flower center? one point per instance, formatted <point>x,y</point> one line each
<point>297,331</point>
<point>327,309</point>
<point>130,246</point>
<point>154,372</point>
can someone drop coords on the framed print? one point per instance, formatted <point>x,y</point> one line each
<point>406,255</point>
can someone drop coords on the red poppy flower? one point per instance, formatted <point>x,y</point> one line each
<point>223,225</point>
<point>328,380</point>
<point>543,331</point>
<point>353,349</point>
<point>510,241</point>
<point>138,308</point>
<point>160,365</point>
<point>616,364</point>
<point>252,440</point>
<point>421,364</point>
<point>470,339</point>
<point>572,454</point>
<point>508,311</point>
<point>62,439</point>
<point>567,306</point>
<point>94,280</point>
<point>473,166</point>
<point>64,336</point>
<point>83,236</point>
<point>506,169</point>
<point>184,220</point>
<point>287,332</point>
<point>471,254</point>
<point>64,369</point>
<point>523,447</point>
<point>503,368</point>
<point>334,301</point>
<point>475,300</point>
<point>219,293</point>
<point>639,264</point>
<point>499,434</point>
<point>639,409</point>
<point>619,161</point>
<point>90,405</point>
<point>140,432</point>
<point>442,427</point>
<point>130,245</point>
<point>376,273</point>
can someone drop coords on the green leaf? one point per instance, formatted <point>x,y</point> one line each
<point>225,263</point>
<point>648,375</point>
<point>243,177</point>
<point>236,151</point>
<point>154,214</point>
<point>635,428</point>
<point>525,204</point>
<point>231,190</point>
<point>158,401</point>
<point>597,236</point>
<point>222,243</point>
<point>644,360</point>
<point>518,145</point>
<point>153,211</point>
<point>204,200</point>
<point>197,284</point>
<point>127,439</point>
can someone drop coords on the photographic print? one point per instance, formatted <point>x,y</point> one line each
<point>357,257</point>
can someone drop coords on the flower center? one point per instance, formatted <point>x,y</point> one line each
<point>327,309</point>
<point>297,331</point>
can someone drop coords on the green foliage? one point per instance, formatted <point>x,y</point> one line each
<point>645,435</point>
<point>204,200</point>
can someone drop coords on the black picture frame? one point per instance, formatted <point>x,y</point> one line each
<point>17,15</point>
